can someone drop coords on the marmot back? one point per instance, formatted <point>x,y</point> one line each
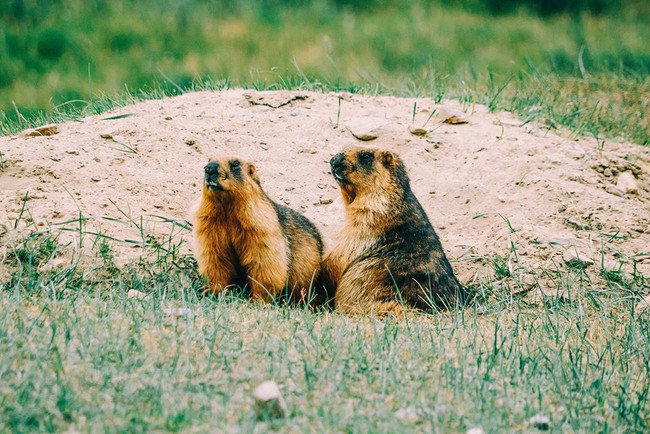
<point>388,256</point>
<point>243,237</point>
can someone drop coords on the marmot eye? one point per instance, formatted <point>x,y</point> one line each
<point>235,164</point>
<point>365,156</point>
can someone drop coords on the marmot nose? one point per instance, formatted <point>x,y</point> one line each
<point>337,160</point>
<point>211,168</point>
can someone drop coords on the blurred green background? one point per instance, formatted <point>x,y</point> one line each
<point>582,64</point>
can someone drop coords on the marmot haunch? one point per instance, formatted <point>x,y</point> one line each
<point>388,256</point>
<point>242,237</point>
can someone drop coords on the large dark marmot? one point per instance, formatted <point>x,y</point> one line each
<point>388,256</point>
<point>243,237</point>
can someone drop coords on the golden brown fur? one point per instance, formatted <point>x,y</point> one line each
<point>388,256</point>
<point>244,238</point>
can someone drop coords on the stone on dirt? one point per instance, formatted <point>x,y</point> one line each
<point>45,130</point>
<point>269,403</point>
<point>627,183</point>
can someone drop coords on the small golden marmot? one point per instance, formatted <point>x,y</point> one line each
<point>388,256</point>
<point>242,237</point>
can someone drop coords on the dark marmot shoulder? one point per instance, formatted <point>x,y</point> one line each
<point>242,237</point>
<point>387,256</point>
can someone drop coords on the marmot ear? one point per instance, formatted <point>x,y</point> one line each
<point>252,172</point>
<point>387,158</point>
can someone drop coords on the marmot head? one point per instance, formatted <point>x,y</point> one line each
<point>364,170</point>
<point>229,174</point>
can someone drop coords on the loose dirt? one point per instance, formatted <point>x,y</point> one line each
<point>493,187</point>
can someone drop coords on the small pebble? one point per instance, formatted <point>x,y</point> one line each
<point>269,403</point>
<point>627,183</point>
<point>612,189</point>
<point>540,422</point>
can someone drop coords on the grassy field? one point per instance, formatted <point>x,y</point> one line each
<point>76,353</point>
<point>587,73</point>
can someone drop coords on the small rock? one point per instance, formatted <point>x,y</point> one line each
<point>643,305</point>
<point>134,293</point>
<point>289,188</point>
<point>627,183</point>
<point>477,430</point>
<point>325,201</point>
<point>608,172</point>
<point>540,422</point>
<point>106,135</point>
<point>168,118</point>
<point>612,189</point>
<point>45,130</point>
<point>418,131</point>
<point>367,128</point>
<point>408,414</point>
<point>264,146</point>
<point>528,279</point>
<point>72,152</point>
<point>159,205</point>
<point>190,142</point>
<point>269,403</point>
<point>95,179</point>
<point>308,151</point>
<point>451,116</point>
<point>577,260</point>
<point>274,99</point>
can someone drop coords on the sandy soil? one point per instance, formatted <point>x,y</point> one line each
<point>488,186</point>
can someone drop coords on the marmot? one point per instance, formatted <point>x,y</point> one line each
<point>242,237</point>
<point>388,256</point>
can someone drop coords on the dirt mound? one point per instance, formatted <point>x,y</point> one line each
<point>491,186</point>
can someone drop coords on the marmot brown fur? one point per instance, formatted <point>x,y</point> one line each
<point>388,256</point>
<point>242,237</point>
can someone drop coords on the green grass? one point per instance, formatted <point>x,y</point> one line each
<point>587,73</point>
<point>77,353</point>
